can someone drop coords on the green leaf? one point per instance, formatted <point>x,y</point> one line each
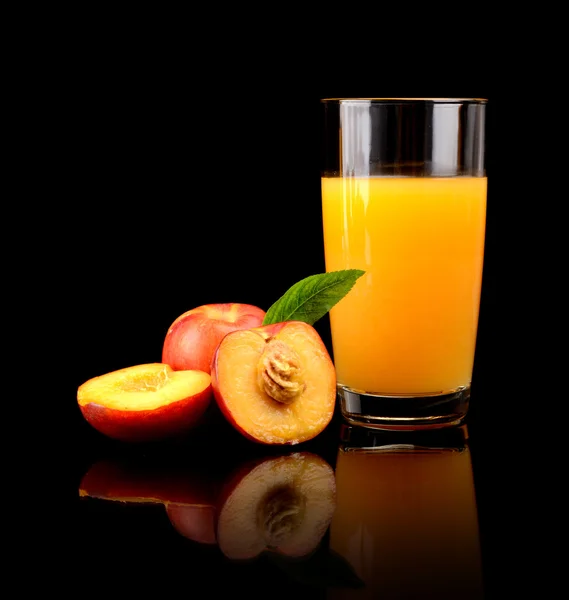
<point>311,298</point>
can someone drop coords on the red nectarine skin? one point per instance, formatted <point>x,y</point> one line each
<point>145,402</point>
<point>147,425</point>
<point>276,384</point>
<point>193,337</point>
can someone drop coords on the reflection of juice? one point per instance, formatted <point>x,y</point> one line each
<point>407,523</point>
<point>409,324</point>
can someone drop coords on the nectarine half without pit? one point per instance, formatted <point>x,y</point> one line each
<point>145,402</point>
<point>193,337</point>
<point>282,504</point>
<point>276,384</point>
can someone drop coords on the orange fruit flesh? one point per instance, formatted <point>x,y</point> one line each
<point>142,387</point>
<point>253,409</point>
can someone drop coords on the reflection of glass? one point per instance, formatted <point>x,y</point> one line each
<point>406,517</point>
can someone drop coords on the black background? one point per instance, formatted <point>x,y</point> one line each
<point>171,154</point>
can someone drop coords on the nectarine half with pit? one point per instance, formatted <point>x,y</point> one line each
<point>145,402</point>
<point>193,337</point>
<point>281,504</point>
<point>276,384</point>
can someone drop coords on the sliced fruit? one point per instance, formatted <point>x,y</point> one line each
<point>276,384</point>
<point>145,402</point>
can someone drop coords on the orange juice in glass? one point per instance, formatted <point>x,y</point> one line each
<point>404,199</point>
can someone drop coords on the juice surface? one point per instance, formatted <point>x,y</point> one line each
<point>409,325</point>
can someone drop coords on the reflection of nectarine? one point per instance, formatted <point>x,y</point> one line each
<point>135,482</point>
<point>188,496</point>
<point>197,523</point>
<point>192,338</point>
<point>276,384</point>
<point>281,504</point>
<point>145,402</point>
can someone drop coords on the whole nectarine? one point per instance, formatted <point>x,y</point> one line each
<point>193,337</point>
<point>276,384</point>
<point>145,402</point>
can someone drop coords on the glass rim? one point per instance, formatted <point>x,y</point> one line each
<point>432,100</point>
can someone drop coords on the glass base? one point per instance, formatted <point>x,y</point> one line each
<point>433,411</point>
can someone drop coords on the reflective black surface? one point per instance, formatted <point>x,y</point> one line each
<point>353,513</point>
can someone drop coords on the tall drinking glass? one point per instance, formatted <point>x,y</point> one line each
<point>404,199</point>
